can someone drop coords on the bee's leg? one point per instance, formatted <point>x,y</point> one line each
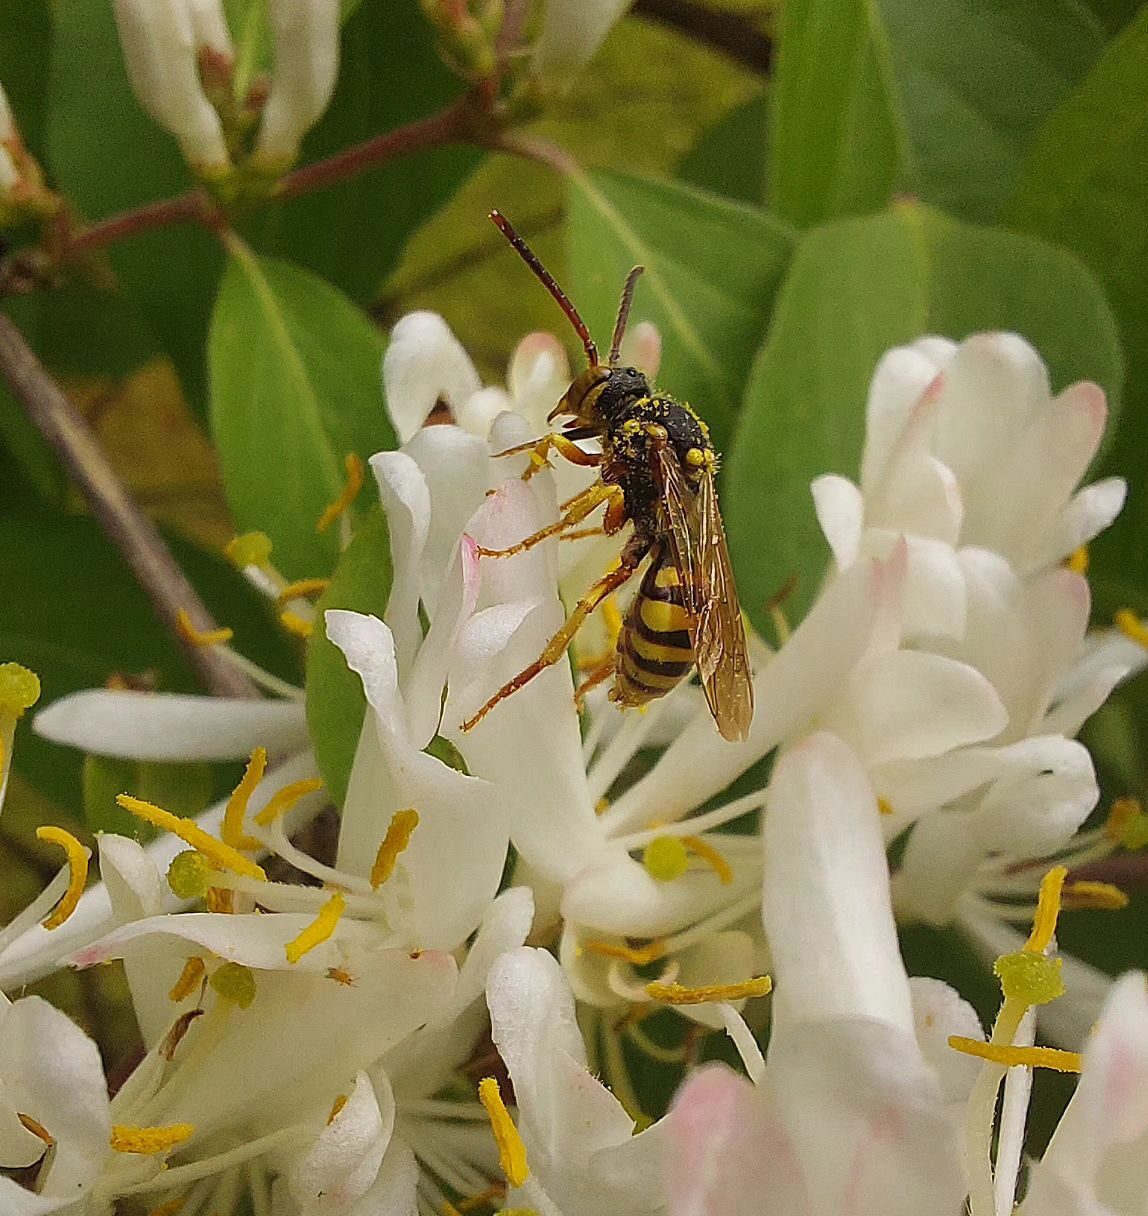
<point>556,647</point>
<point>580,507</point>
<point>582,533</point>
<point>597,674</point>
<point>540,449</point>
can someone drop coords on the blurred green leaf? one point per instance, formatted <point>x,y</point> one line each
<point>937,98</point>
<point>183,789</point>
<point>855,289</point>
<point>730,158</point>
<point>72,612</point>
<point>712,270</point>
<point>1085,186</point>
<point>335,701</point>
<point>24,51</point>
<point>294,389</point>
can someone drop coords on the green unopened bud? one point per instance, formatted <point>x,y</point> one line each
<point>1027,976</point>
<point>234,982</point>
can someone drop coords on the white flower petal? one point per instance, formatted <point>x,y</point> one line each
<point>938,865</point>
<point>393,1191</point>
<point>424,362</point>
<point>840,514</point>
<point>1085,516</point>
<point>538,375</point>
<point>938,1012</point>
<point>406,501</point>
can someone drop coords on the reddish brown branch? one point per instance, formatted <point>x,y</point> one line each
<point>189,208</point>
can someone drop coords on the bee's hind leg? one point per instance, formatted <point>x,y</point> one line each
<point>576,511</point>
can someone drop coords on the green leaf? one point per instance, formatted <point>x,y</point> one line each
<point>72,613</point>
<point>730,158</point>
<point>294,389</point>
<point>712,270</point>
<point>183,789</point>
<point>1085,186</point>
<point>938,98</point>
<point>335,701</point>
<point>855,289</point>
<point>24,51</point>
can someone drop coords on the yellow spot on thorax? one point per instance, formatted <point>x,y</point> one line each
<point>221,855</point>
<point>1131,626</point>
<point>189,979</point>
<point>348,494</point>
<point>19,689</point>
<point>399,832</point>
<point>301,589</point>
<point>297,625</point>
<point>679,994</point>
<point>283,800</point>
<point>149,1140</point>
<point>77,857</point>
<point>236,809</point>
<point>319,930</point>
<point>511,1150</point>
<point>200,637</point>
<point>1026,1057</point>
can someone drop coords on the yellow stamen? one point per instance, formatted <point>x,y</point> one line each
<point>341,976</point>
<point>336,1107</point>
<point>303,588</point>
<point>36,1128</point>
<point>283,800</point>
<point>1029,977</point>
<point>189,874</point>
<point>1101,895</point>
<point>248,549</point>
<point>511,1150</point>
<point>402,825</point>
<point>716,862</point>
<point>679,994</point>
<point>200,637</point>
<point>221,855</point>
<point>884,806</point>
<point>639,956</point>
<point>232,832</point>
<point>1078,560</point>
<point>294,623</point>
<point>349,493</point>
<point>128,1139</point>
<point>665,858</point>
<point>1131,626</point>
<point>318,930</point>
<point>1047,910</point>
<point>221,900</point>
<point>495,1191</point>
<point>1028,1057</point>
<point>170,1208</point>
<point>19,689</point>
<point>235,983</point>
<point>601,806</point>
<point>1127,824</point>
<point>189,978</point>
<point>77,856</point>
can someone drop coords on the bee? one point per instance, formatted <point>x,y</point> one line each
<point>655,472</point>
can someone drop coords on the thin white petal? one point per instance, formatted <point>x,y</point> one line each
<point>840,514</point>
<point>424,362</point>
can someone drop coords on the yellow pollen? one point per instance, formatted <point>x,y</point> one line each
<point>1077,560</point>
<point>295,624</point>
<point>232,832</point>
<point>495,1191</point>
<point>1047,910</point>
<point>696,457</point>
<point>1131,626</point>
<point>170,1208</point>
<point>511,1150</point>
<point>679,994</point>
<point>222,856</point>
<point>200,637</point>
<point>318,930</point>
<point>336,1107</point>
<point>36,1128</point>
<point>665,858</point>
<point>1027,1057</point>
<point>1127,824</point>
<point>249,549</point>
<point>716,862</point>
<point>77,856</point>
<point>235,983</point>
<point>302,589</point>
<point>283,800</point>
<point>128,1139</point>
<point>402,825</point>
<point>638,956</point>
<point>220,899</point>
<point>601,806</point>
<point>347,496</point>
<point>884,806</point>
<point>1030,978</point>
<point>19,689</point>
<point>191,975</point>
<point>1100,895</point>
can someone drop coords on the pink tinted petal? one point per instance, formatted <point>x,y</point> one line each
<point>1085,516</point>
<point>424,361</point>
<point>642,347</point>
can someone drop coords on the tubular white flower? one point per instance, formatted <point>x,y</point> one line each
<point>572,30</point>
<point>306,68</point>
<point>160,41</point>
<point>7,122</point>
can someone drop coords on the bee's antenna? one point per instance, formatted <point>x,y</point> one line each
<point>547,279</point>
<point>624,313</point>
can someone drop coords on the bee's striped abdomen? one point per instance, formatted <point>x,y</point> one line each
<point>654,649</point>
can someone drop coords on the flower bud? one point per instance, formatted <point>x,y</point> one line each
<point>306,67</point>
<point>572,30</point>
<point>160,41</point>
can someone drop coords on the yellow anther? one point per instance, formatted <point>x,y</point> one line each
<point>220,900</point>
<point>318,930</point>
<point>336,1107</point>
<point>19,689</point>
<point>189,874</point>
<point>638,956</point>
<point>341,976</point>
<point>221,855</point>
<point>706,851</point>
<point>297,625</point>
<point>170,1208</point>
<point>511,1150</point>
<point>249,549</point>
<point>347,496</point>
<point>679,994</point>
<point>302,589</point>
<point>1028,1057</point>
<point>884,806</point>
<point>448,1209</point>
<point>232,832</point>
<point>149,1140</point>
<point>36,1128</point>
<point>496,1190</point>
<point>189,979</point>
<point>283,800</point>
<point>1103,896</point>
<point>1127,824</point>
<point>77,856</point>
<point>1033,979</point>
<point>200,637</point>
<point>666,858</point>
<point>402,825</point>
<point>1078,560</point>
<point>1131,626</point>
<point>235,983</point>
<point>601,806</point>
<point>1047,910</point>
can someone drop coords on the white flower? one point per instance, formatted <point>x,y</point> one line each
<point>572,30</point>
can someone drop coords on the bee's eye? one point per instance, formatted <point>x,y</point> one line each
<point>631,371</point>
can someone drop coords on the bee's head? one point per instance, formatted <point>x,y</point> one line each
<point>601,394</point>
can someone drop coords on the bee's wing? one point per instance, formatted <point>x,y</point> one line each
<point>697,541</point>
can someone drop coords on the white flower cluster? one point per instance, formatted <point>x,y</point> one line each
<point>314,1043</point>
